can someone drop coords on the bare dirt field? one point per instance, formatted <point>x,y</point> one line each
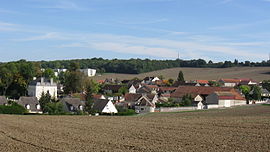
<point>256,73</point>
<point>235,129</point>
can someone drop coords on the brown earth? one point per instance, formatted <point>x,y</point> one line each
<point>235,129</point>
<point>256,73</point>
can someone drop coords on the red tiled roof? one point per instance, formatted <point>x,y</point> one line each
<point>230,80</point>
<point>202,81</point>
<point>196,90</point>
<point>167,88</point>
<point>132,96</point>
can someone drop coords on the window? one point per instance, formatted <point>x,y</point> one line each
<point>71,108</point>
<point>38,107</point>
<point>27,107</point>
<point>142,108</point>
<point>80,107</point>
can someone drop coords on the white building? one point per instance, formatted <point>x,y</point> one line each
<point>38,86</point>
<point>89,72</point>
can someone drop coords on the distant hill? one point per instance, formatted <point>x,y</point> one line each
<point>256,73</point>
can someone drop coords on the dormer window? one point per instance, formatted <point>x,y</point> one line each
<point>71,108</point>
<point>27,107</point>
<point>38,107</point>
<point>81,107</point>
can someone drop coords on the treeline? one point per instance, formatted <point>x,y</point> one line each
<point>136,66</point>
<point>15,77</point>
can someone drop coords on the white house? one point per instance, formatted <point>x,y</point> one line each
<point>38,86</point>
<point>89,72</point>
<point>104,106</point>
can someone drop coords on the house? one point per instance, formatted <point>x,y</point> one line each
<point>112,88</point>
<point>148,89</point>
<point>72,104</point>
<point>42,85</point>
<point>98,96</point>
<point>150,80</point>
<point>112,81</point>
<point>30,103</point>
<point>203,91</point>
<point>265,93</point>
<point>247,82</point>
<point>145,105</point>
<point>229,82</point>
<point>224,99</point>
<point>104,106</point>
<point>132,89</point>
<point>89,72</point>
<point>3,100</point>
<point>143,102</point>
<point>165,92</point>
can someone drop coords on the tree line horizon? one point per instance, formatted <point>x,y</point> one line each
<point>137,66</point>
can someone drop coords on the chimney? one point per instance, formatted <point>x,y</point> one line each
<point>51,81</point>
<point>42,80</point>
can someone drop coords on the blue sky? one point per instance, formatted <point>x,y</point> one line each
<point>215,30</point>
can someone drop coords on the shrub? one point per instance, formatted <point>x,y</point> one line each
<point>55,108</point>
<point>14,108</point>
<point>126,112</point>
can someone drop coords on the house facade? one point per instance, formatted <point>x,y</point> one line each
<point>89,72</point>
<point>42,85</point>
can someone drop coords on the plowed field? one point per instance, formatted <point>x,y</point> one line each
<point>235,129</point>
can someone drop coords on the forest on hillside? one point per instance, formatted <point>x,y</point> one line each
<point>136,66</point>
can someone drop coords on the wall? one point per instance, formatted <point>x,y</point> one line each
<point>175,109</point>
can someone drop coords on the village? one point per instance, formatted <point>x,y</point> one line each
<point>140,96</point>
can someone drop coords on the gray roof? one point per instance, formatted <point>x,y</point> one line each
<point>74,102</point>
<point>3,100</point>
<point>100,104</point>
<point>31,101</point>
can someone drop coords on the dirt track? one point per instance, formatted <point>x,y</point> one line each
<point>236,129</point>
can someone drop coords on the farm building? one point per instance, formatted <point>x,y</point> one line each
<point>224,99</point>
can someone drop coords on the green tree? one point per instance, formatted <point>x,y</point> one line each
<point>91,88</point>
<point>180,77</point>
<point>266,84</point>
<point>245,89</point>
<point>49,73</point>
<point>54,108</point>
<point>44,100</point>
<point>123,90</point>
<point>186,100</point>
<point>256,93</point>
<point>214,83</point>
<point>74,82</point>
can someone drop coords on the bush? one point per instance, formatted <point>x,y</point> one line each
<point>126,112</point>
<point>14,108</point>
<point>55,108</point>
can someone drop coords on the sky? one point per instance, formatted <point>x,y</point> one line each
<point>216,30</point>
